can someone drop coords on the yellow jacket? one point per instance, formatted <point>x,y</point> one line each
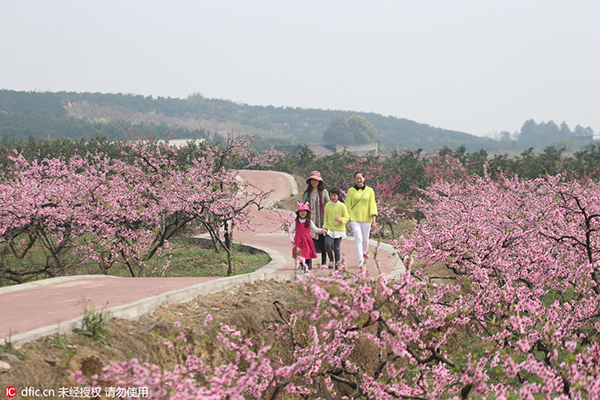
<point>335,210</point>
<point>361,209</point>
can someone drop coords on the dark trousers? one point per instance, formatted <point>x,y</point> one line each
<point>333,246</point>
<point>320,248</point>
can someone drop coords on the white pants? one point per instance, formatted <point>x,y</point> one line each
<point>361,231</point>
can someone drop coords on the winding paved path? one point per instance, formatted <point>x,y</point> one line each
<point>41,308</point>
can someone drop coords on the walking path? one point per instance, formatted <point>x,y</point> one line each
<point>44,307</point>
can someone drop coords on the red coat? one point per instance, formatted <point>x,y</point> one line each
<point>303,244</point>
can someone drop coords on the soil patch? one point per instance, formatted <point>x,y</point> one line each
<point>47,363</point>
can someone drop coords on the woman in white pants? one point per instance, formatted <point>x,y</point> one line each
<point>360,202</point>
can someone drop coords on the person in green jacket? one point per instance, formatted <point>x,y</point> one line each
<point>336,217</point>
<point>317,196</point>
<point>362,208</point>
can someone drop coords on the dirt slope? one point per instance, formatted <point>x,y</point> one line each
<point>47,363</point>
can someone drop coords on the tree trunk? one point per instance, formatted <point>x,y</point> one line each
<point>214,236</point>
<point>229,247</point>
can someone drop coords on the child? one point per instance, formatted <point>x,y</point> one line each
<point>304,248</point>
<point>336,217</point>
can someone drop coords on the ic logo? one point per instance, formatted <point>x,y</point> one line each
<point>10,391</point>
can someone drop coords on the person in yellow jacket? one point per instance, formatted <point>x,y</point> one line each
<point>336,217</point>
<point>360,202</point>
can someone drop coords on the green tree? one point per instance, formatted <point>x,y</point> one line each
<point>565,132</point>
<point>581,131</point>
<point>551,131</point>
<point>338,131</point>
<point>361,129</point>
<point>505,136</point>
<point>528,131</point>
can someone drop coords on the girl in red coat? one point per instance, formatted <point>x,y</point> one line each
<point>303,250</point>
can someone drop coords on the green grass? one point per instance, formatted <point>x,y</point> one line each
<point>191,260</point>
<point>8,347</point>
<point>93,324</point>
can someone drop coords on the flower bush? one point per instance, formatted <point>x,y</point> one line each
<point>516,316</point>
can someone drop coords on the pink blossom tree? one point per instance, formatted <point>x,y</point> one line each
<point>58,214</point>
<point>516,314</point>
<point>526,255</point>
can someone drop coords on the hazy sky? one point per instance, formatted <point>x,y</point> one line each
<point>478,66</point>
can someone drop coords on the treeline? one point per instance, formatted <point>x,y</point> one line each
<point>548,132</point>
<point>32,104</point>
<point>20,127</point>
<point>66,148</point>
<point>406,171</point>
<point>304,125</point>
<point>418,168</point>
<point>308,125</point>
<point>300,124</point>
<point>280,125</point>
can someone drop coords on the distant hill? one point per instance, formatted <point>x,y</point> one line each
<point>287,125</point>
<point>77,115</point>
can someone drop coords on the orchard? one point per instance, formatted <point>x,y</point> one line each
<point>58,213</point>
<point>500,299</point>
<point>517,317</point>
